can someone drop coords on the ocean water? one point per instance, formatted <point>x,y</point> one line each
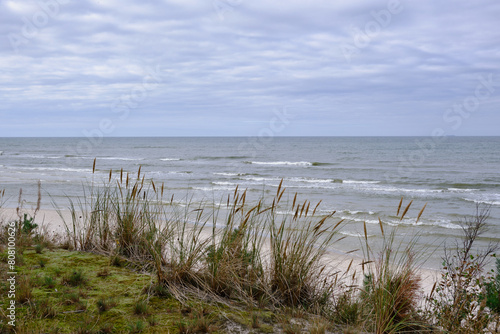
<point>362,178</point>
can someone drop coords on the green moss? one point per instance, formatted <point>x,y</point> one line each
<point>58,307</point>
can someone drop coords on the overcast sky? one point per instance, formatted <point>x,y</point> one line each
<point>249,67</point>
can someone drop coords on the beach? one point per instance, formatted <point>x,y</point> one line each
<point>336,261</point>
<point>361,178</point>
<point>290,227</point>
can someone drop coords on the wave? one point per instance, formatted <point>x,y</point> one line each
<point>309,180</point>
<point>353,212</point>
<point>280,163</point>
<point>170,159</point>
<point>261,179</point>
<point>402,190</point>
<point>223,183</point>
<point>461,190</point>
<point>318,183</point>
<point>356,234</point>
<point>485,200</point>
<point>54,169</point>
<point>443,223</point>
<point>359,182</point>
<point>39,156</point>
<point>230,174</point>
<point>213,188</point>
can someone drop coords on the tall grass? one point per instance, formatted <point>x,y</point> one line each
<point>252,253</point>
<point>233,256</point>
<point>131,217</point>
<point>298,245</point>
<point>391,287</point>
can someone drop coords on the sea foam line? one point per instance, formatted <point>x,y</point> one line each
<point>281,163</point>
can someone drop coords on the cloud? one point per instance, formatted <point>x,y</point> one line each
<point>220,67</point>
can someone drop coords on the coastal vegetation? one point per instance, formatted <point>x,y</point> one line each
<point>131,260</point>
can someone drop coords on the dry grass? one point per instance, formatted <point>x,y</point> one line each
<point>130,218</point>
<point>259,258</point>
<point>298,246</point>
<point>391,288</point>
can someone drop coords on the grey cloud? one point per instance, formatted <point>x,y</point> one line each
<point>218,67</point>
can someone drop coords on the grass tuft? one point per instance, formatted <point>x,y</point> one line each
<point>141,307</point>
<point>76,278</point>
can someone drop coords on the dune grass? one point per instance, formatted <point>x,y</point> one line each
<point>229,252</point>
<point>130,218</point>
<point>391,286</point>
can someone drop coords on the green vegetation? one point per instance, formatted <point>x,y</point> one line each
<point>493,289</point>
<point>133,262</point>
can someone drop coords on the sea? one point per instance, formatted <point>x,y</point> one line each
<point>363,179</point>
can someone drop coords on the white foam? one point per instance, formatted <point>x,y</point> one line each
<point>53,169</point>
<point>405,190</point>
<point>355,212</point>
<point>355,234</point>
<point>214,188</point>
<point>282,163</point>
<point>360,182</point>
<point>170,159</point>
<point>39,156</point>
<point>308,180</point>
<point>444,223</point>
<point>368,221</point>
<point>224,183</point>
<point>230,174</point>
<point>490,199</point>
<point>460,190</point>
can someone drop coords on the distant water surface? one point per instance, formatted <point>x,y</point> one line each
<point>362,178</point>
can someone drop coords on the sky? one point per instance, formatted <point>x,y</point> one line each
<point>94,68</point>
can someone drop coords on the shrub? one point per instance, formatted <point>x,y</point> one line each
<point>458,304</point>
